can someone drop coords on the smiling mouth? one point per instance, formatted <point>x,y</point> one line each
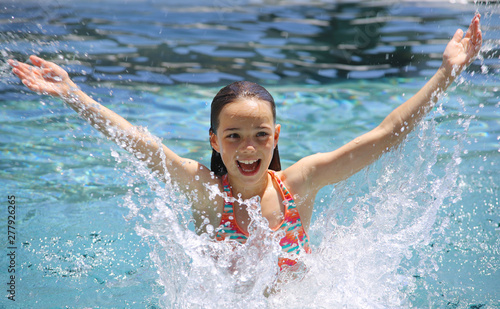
<point>248,167</point>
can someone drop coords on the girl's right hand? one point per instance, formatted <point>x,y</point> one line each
<point>44,77</point>
<point>462,50</point>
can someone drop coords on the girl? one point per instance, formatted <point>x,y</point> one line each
<point>244,138</point>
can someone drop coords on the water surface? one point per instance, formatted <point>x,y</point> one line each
<point>417,229</point>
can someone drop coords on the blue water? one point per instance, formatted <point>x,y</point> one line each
<point>418,229</point>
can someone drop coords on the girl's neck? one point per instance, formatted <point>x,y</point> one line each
<point>247,190</point>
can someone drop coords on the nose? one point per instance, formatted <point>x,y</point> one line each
<point>248,145</point>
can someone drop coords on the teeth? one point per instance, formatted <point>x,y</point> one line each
<point>248,161</point>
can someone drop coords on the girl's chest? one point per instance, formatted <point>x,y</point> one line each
<point>272,208</point>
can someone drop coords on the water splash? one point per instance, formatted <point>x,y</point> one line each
<point>372,259</point>
<point>381,241</point>
<point>196,270</point>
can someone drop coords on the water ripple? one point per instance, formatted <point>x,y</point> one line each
<point>316,43</point>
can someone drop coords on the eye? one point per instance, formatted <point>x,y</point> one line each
<point>262,134</point>
<point>233,135</point>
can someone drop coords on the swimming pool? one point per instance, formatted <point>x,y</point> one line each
<point>94,229</point>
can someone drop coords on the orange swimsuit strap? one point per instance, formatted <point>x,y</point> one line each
<point>295,239</point>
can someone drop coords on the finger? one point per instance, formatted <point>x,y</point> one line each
<point>51,67</point>
<point>16,72</point>
<point>457,37</point>
<point>476,35</point>
<point>13,63</point>
<point>471,28</point>
<point>474,26</point>
<point>23,70</point>
<point>20,73</point>
<point>476,42</point>
<point>479,38</point>
<point>27,82</point>
<point>19,65</point>
<point>477,26</point>
<point>33,85</point>
<point>41,63</point>
<point>37,61</point>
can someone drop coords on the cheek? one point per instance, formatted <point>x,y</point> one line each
<point>270,142</point>
<point>227,149</point>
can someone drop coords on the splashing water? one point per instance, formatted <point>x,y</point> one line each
<point>417,229</point>
<point>192,268</point>
<point>373,259</point>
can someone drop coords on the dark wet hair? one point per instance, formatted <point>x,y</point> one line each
<point>229,94</point>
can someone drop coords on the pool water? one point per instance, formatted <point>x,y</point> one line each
<point>94,229</point>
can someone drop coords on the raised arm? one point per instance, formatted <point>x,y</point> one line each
<point>45,77</point>
<point>322,169</point>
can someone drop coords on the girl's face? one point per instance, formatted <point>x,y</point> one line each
<point>246,138</point>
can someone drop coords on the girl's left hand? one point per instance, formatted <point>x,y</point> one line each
<point>461,51</point>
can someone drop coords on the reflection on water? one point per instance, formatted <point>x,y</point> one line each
<point>221,41</point>
<point>418,229</point>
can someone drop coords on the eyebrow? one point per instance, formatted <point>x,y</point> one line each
<point>257,128</point>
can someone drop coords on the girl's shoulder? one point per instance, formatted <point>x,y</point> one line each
<point>302,194</point>
<point>207,201</point>
<point>294,178</point>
